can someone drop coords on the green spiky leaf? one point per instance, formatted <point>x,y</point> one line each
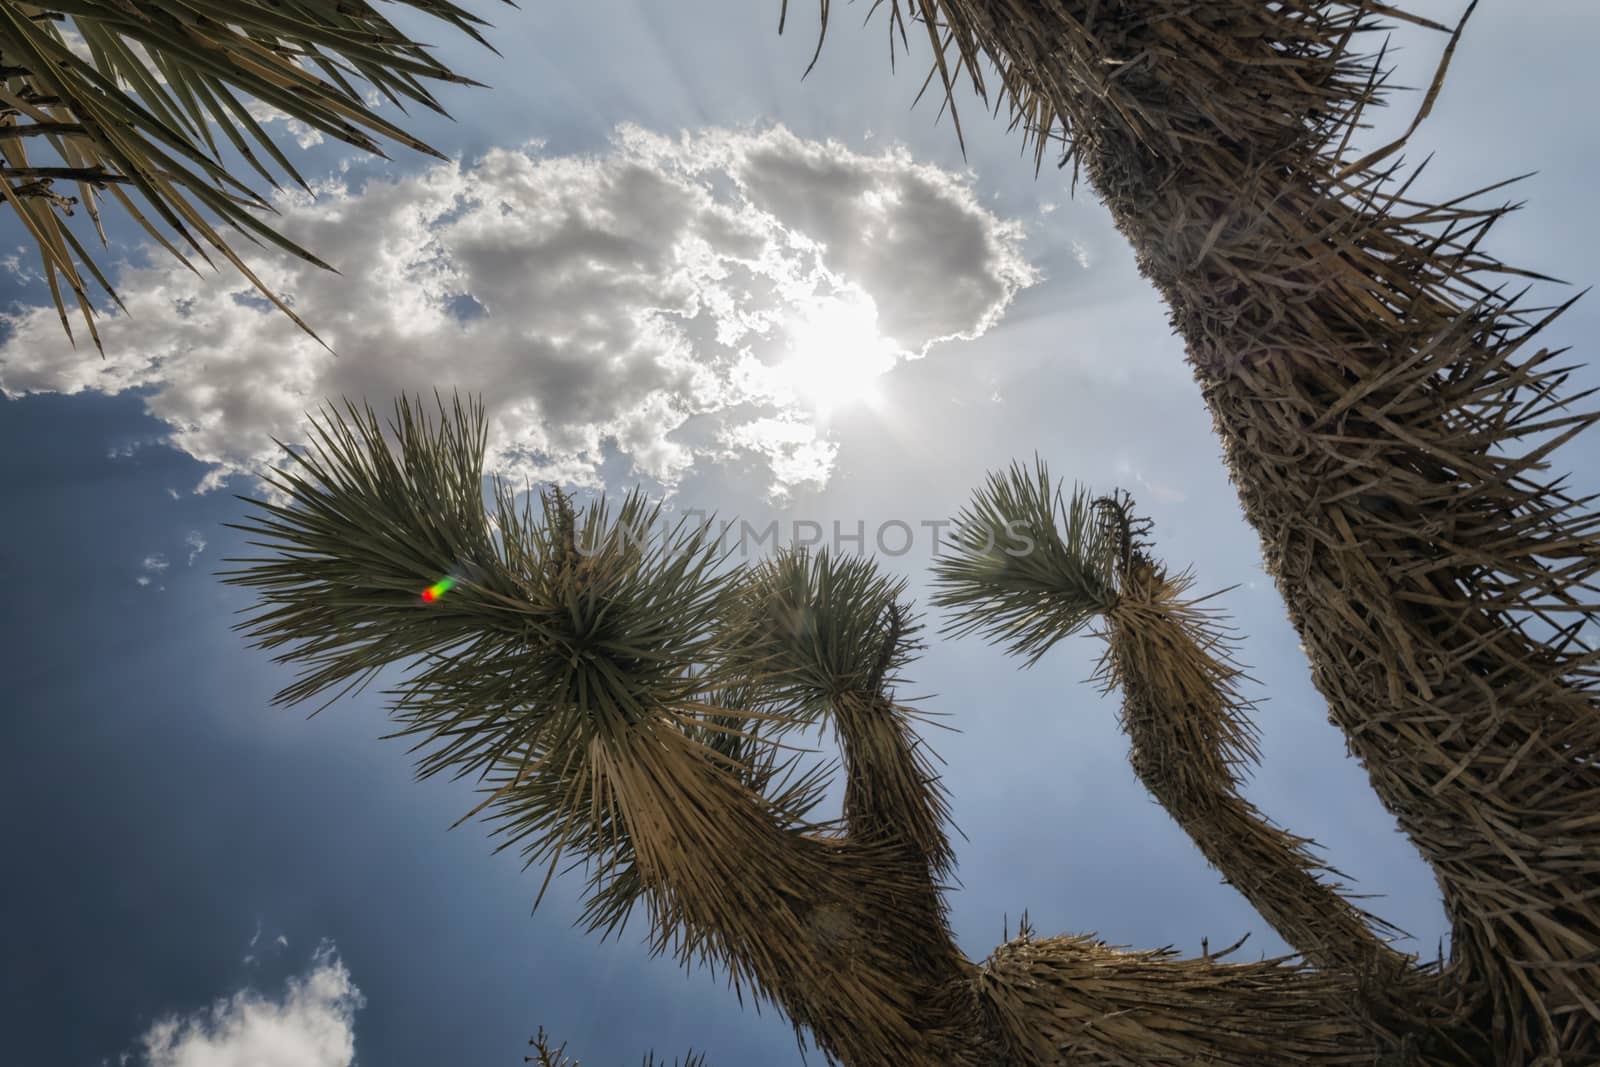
<point>136,113</point>
<point>808,627</point>
<point>1025,565</point>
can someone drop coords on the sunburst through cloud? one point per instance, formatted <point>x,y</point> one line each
<point>836,357</point>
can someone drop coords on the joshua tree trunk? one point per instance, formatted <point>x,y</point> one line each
<point>1385,417</point>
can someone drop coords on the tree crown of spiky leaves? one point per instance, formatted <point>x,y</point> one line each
<point>1027,565</point>
<point>810,627</point>
<point>548,1054</point>
<point>133,109</point>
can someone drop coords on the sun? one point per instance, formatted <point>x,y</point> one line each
<point>836,355</point>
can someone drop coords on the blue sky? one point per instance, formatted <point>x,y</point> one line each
<point>177,846</point>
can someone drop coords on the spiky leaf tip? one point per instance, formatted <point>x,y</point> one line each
<point>807,627</point>
<point>1025,564</point>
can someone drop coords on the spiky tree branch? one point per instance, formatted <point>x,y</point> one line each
<point>828,636</point>
<point>577,664</point>
<point>1191,747</point>
<point>1192,738</point>
<point>128,98</point>
<point>1076,1000</point>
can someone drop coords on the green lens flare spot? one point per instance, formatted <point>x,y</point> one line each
<point>437,589</point>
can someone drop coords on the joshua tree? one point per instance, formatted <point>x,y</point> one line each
<point>622,690</point>
<point>124,96</point>
<point>1386,414</point>
<point>1388,417</point>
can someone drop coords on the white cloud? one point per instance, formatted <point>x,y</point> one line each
<point>155,563</point>
<point>196,543</point>
<point>126,447</point>
<point>650,300</point>
<point>305,136</point>
<point>311,1025</point>
<point>20,268</point>
<point>793,450</point>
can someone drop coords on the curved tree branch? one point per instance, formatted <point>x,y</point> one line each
<point>1187,721</point>
<point>1190,737</point>
<point>1076,1000</point>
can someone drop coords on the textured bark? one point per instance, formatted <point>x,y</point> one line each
<point>1191,740</point>
<point>1373,398</point>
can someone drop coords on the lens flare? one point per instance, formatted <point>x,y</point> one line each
<point>464,571</point>
<point>437,589</point>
